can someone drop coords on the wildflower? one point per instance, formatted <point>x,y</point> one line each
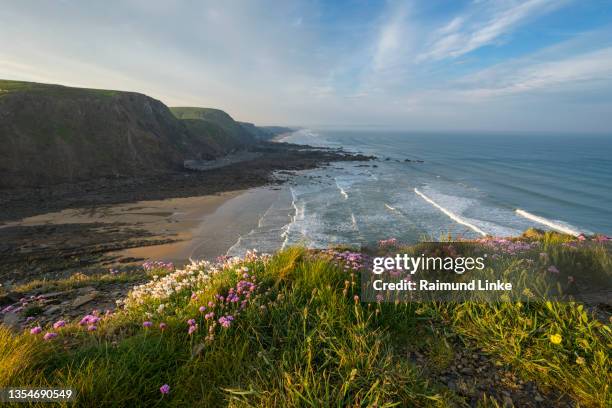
<point>356,299</point>
<point>211,304</point>
<point>226,321</point>
<point>191,322</point>
<point>147,324</point>
<point>164,389</point>
<point>162,326</point>
<point>36,330</point>
<point>89,320</point>
<point>59,324</point>
<point>556,338</point>
<point>50,336</point>
<point>192,329</point>
<point>92,328</point>
<point>194,295</point>
<point>553,269</point>
<point>29,319</point>
<point>581,237</point>
<point>580,361</point>
<point>209,316</point>
<point>202,309</point>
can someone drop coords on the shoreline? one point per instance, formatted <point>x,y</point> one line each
<point>90,227</point>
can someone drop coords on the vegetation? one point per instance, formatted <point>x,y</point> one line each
<point>291,330</point>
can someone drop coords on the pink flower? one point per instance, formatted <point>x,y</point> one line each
<point>89,320</point>
<point>194,295</point>
<point>191,322</point>
<point>553,269</point>
<point>92,328</point>
<point>209,316</point>
<point>581,237</point>
<point>147,324</point>
<point>36,330</point>
<point>226,321</point>
<point>192,329</point>
<point>202,309</point>
<point>59,324</point>
<point>164,389</point>
<point>162,326</point>
<point>356,299</point>
<point>49,336</point>
<point>211,304</point>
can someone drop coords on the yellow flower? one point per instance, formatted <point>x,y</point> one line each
<point>580,360</point>
<point>555,338</point>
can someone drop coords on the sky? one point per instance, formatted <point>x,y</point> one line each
<point>490,65</point>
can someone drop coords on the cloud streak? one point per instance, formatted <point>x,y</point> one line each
<point>484,24</point>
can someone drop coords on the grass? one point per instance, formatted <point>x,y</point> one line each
<point>7,87</point>
<point>304,338</point>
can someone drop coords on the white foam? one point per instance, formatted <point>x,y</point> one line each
<point>450,214</point>
<point>344,193</point>
<point>548,223</point>
<point>389,207</point>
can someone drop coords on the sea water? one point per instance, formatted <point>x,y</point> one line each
<point>430,185</point>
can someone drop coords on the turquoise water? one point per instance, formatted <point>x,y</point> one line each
<point>466,184</point>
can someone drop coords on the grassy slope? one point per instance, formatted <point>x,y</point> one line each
<point>303,340</point>
<point>7,87</point>
<point>215,123</point>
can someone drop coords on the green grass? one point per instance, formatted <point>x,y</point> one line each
<point>7,87</point>
<point>303,340</point>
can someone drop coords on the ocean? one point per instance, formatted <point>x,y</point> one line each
<point>430,185</point>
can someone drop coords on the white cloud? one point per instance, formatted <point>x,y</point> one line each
<point>482,25</point>
<point>584,71</point>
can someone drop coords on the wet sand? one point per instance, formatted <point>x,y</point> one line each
<point>209,235</point>
<point>202,227</point>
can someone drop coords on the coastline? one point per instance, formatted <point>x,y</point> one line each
<point>88,227</point>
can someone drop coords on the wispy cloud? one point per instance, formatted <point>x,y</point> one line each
<point>484,23</point>
<point>582,71</point>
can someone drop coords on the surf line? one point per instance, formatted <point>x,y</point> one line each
<point>544,221</point>
<point>452,216</point>
<point>389,207</point>
<point>344,193</point>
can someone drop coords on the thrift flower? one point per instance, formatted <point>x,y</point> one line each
<point>36,330</point>
<point>192,329</point>
<point>556,338</point>
<point>162,326</point>
<point>147,324</point>
<point>202,309</point>
<point>164,389</point>
<point>50,336</point>
<point>191,322</point>
<point>92,328</point>
<point>59,324</point>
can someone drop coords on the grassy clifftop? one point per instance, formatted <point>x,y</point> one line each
<point>292,330</point>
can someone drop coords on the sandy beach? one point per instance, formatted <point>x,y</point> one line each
<point>202,227</point>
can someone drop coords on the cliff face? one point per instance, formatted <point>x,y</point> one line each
<point>51,134</point>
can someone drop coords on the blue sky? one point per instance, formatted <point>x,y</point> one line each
<point>530,65</point>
